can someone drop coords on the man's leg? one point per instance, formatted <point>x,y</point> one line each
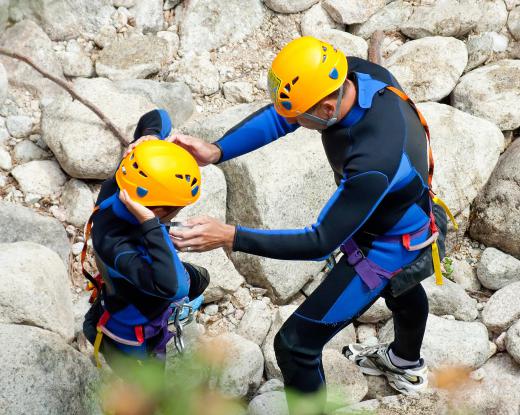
<point>331,307</point>
<point>199,279</point>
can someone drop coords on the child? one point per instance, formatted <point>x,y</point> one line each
<point>141,272</point>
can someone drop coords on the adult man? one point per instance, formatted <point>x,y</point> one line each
<point>376,145</point>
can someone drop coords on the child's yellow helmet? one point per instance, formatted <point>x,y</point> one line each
<point>159,173</point>
<point>305,71</point>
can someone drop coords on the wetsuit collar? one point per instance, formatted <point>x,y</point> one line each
<point>119,208</point>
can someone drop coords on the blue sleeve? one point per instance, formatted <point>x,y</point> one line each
<point>257,130</point>
<point>156,122</point>
<point>347,210</point>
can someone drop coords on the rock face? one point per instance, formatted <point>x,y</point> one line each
<point>428,69</point>
<point>256,322</point>
<point>3,84</point>
<point>124,59</point>
<point>207,25</point>
<point>78,201</point>
<point>40,177</point>
<point>19,223</point>
<point>442,18</point>
<point>242,368</point>
<point>80,141</point>
<point>450,298</point>
<point>36,288</point>
<point>60,379</point>
<point>259,184</point>
<point>513,341</point>
<point>491,92</point>
<point>459,179</point>
<point>357,11</point>
<point>497,269</point>
<point>63,19</point>
<point>449,342</point>
<point>224,278</point>
<point>503,308</point>
<point>388,18</point>
<point>174,97</point>
<point>496,213</point>
<point>289,6</point>
<point>29,39</point>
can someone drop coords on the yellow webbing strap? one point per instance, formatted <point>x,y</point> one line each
<point>436,263</point>
<point>439,201</point>
<point>97,345</point>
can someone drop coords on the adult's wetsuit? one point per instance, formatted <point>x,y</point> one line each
<point>142,272</point>
<point>378,154</point>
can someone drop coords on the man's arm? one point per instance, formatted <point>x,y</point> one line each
<point>261,128</point>
<point>343,215</point>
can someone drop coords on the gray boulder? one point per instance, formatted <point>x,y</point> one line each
<point>503,308</point>
<point>238,91</point>
<point>198,72</point>
<point>289,6</point>
<point>19,126</point>
<point>513,22</point>
<point>94,155</point>
<point>272,403</point>
<point>457,179</point>
<point>43,375</point>
<point>449,342</point>
<point>450,298</point>
<point>207,25</point>
<point>3,84</point>
<point>496,212</point>
<point>19,223</point>
<point>62,19</point>
<point>357,11</point>
<point>349,44</point>
<point>149,15</point>
<point>493,17</point>
<point>40,177</point>
<point>26,151</point>
<point>513,341</point>
<point>480,49</point>
<point>30,40</point>
<point>5,160</point>
<point>491,92</point>
<point>376,313</point>
<point>497,269</point>
<point>36,288</point>
<point>4,14</point>
<point>442,18</point>
<point>388,19</point>
<point>78,201</point>
<point>429,68</point>
<point>126,59</point>
<point>174,97</point>
<point>465,276</point>
<point>317,19</point>
<point>256,322</point>
<point>75,61</point>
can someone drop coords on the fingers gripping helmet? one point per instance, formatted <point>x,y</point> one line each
<point>159,173</point>
<point>305,71</point>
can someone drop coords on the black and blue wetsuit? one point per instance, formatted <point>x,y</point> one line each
<point>141,270</point>
<point>378,153</point>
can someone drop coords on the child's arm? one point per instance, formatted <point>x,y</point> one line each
<point>156,122</point>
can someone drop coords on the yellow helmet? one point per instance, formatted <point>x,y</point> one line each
<point>305,71</point>
<point>159,173</point>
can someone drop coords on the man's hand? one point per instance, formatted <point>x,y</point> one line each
<point>204,153</point>
<point>206,234</point>
<point>142,213</point>
<point>139,141</point>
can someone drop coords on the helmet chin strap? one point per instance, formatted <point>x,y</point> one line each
<point>330,121</point>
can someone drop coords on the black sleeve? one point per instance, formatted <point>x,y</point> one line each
<point>156,122</point>
<point>346,211</point>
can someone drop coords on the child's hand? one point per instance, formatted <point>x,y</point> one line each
<point>139,141</point>
<point>142,213</point>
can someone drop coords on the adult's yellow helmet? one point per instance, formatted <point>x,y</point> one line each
<point>305,71</point>
<point>159,173</point>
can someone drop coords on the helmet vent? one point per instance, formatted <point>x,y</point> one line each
<point>142,173</point>
<point>324,48</point>
<point>188,178</point>
<point>194,181</point>
<point>324,59</point>
<point>132,156</point>
<point>284,95</point>
<point>295,80</point>
<point>135,165</point>
<point>287,88</point>
<point>179,176</point>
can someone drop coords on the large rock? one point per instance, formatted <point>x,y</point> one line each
<point>242,367</point>
<point>26,151</point>
<point>376,313</point>
<point>19,223</point>
<point>513,341</point>
<point>345,381</point>
<point>449,342</point>
<point>497,393</point>
<point>63,19</point>
<point>36,288</point>
<point>3,84</point>
<point>4,14</point>
<point>317,19</point>
<point>82,144</point>
<point>256,193</point>
<point>442,18</point>
<point>497,269</point>
<point>174,97</point>
<point>43,375</point>
<point>428,69</point>
<point>28,39</point>
<point>149,15</point>
<point>492,92</point>
<point>126,59</point>
<point>289,6</point>
<point>75,61</point>
<point>5,160</point>
<point>256,322</point>
<point>450,298</point>
<point>388,19</point>
<point>272,403</point>
<point>19,126</point>
<point>464,275</point>
<point>349,44</point>
<point>513,22</point>
<point>40,177</point>
<point>356,11</point>
<point>496,212</point>
<point>480,49</point>
<point>206,25</point>
<point>503,308</point>
<point>78,201</point>
<point>458,179</point>
<point>493,18</point>
<point>198,72</point>
<point>224,278</point>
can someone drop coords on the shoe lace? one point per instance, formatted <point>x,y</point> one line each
<point>374,350</point>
